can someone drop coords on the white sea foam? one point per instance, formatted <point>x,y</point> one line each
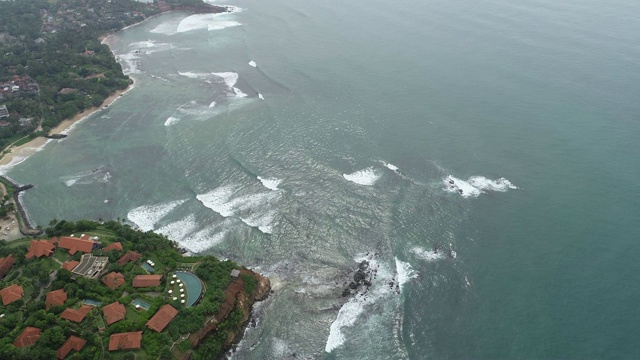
<point>21,155</point>
<point>405,272</point>
<point>366,177</point>
<point>476,185</point>
<point>253,63</point>
<point>260,96</point>
<point>428,255</point>
<point>171,121</point>
<point>194,75</point>
<point>391,167</point>
<point>212,104</point>
<point>270,183</point>
<point>217,199</point>
<point>165,28</point>
<point>146,216</point>
<point>131,62</point>
<point>178,230</point>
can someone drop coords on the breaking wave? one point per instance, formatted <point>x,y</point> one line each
<point>253,63</point>
<point>270,183</point>
<point>428,255</point>
<point>171,121</point>
<point>147,216</point>
<point>476,185</point>
<point>366,177</point>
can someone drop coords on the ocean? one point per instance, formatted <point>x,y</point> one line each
<point>482,156</point>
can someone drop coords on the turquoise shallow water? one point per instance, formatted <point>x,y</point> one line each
<point>537,93</point>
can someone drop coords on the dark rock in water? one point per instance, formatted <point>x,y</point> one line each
<point>363,266</point>
<point>353,285</point>
<point>359,276</point>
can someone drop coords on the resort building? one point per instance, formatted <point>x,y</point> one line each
<point>40,248</point>
<point>55,298</point>
<point>5,264</point>
<point>114,312</point>
<point>91,267</point>
<point>76,244</point>
<point>162,318</point>
<point>113,280</point>
<point>28,337</point>
<point>146,281</point>
<point>76,315</point>
<point>130,256</point>
<point>11,293</point>
<point>72,343</point>
<point>125,341</point>
<point>115,246</point>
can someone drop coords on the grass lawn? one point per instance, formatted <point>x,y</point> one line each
<point>132,313</point>
<point>99,322</point>
<point>28,290</point>
<point>18,243</point>
<point>61,254</point>
<point>117,355</point>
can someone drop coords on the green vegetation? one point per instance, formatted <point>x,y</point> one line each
<point>39,276</point>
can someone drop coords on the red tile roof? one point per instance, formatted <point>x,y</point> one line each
<point>146,280</point>
<point>114,246</point>
<point>39,248</point>
<point>125,341</point>
<point>28,337</point>
<point>76,315</point>
<point>56,297</point>
<point>69,265</point>
<point>162,318</point>
<point>113,280</point>
<point>6,264</point>
<point>129,256</point>
<point>114,312</point>
<point>11,293</point>
<point>74,244</point>
<point>72,343</point>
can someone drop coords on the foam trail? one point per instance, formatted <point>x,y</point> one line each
<point>213,103</point>
<point>428,255</point>
<point>260,96</point>
<point>239,93</point>
<point>405,272</point>
<point>253,63</point>
<point>261,221</point>
<point>270,183</point>
<point>204,239</point>
<point>366,177</point>
<point>391,167</point>
<point>146,216</point>
<point>171,121</point>
<point>193,75</point>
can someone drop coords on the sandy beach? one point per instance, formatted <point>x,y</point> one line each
<point>20,153</point>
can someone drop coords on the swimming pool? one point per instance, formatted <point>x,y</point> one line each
<point>193,284</point>
<point>148,267</point>
<point>143,304</point>
<point>92,302</point>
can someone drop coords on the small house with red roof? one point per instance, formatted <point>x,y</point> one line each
<point>115,246</point>
<point>73,245</point>
<point>28,337</point>
<point>162,318</point>
<point>113,280</point>
<point>39,248</point>
<point>11,293</point>
<point>76,315</point>
<point>5,264</point>
<point>70,265</point>
<point>125,341</point>
<point>114,312</point>
<point>130,256</point>
<point>72,343</point>
<point>55,298</point>
<point>146,281</point>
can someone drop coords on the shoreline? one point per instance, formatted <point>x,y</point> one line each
<point>18,154</point>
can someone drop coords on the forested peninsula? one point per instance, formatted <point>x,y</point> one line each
<point>93,290</point>
<point>52,63</point>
